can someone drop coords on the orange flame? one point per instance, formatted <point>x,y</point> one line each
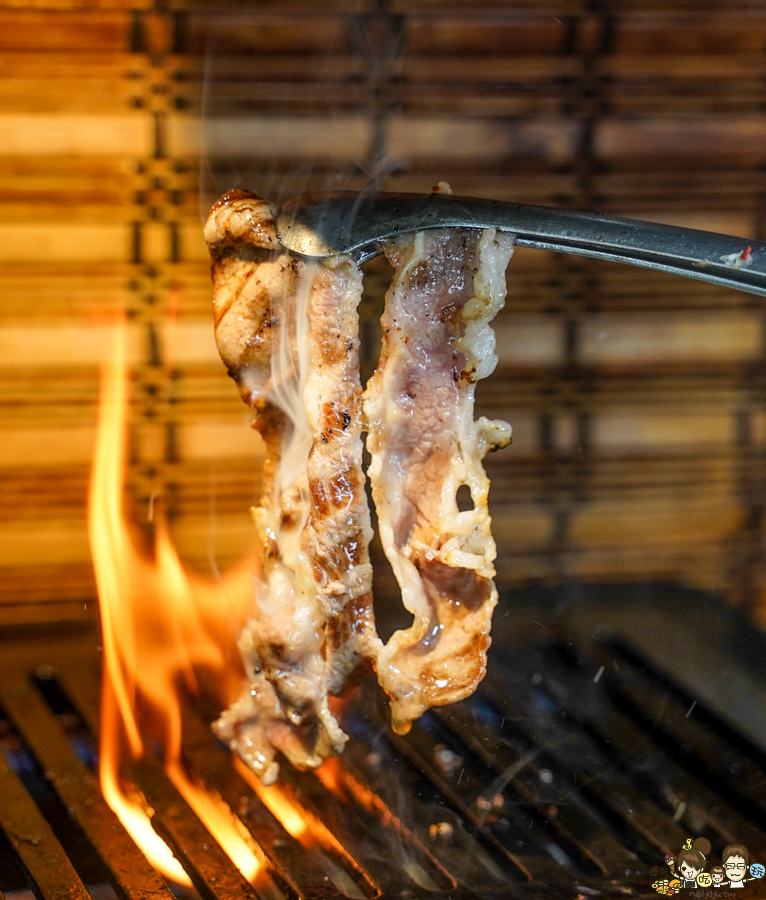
<point>161,629</point>
<point>273,798</point>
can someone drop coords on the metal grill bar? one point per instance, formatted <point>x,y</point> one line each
<point>82,686</point>
<point>362,833</point>
<point>737,770</point>
<point>551,790</point>
<point>210,869</point>
<point>134,878</point>
<point>418,780</point>
<point>296,870</point>
<point>606,787</point>
<point>42,856</point>
<point>464,787</point>
<point>633,749</point>
<point>561,788</point>
<point>285,872</point>
<point>362,782</point>
<point>514,770</point>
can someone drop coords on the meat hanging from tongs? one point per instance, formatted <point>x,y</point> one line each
<point>287,329</point>
<point>425,445</point>
<point>288,333</point>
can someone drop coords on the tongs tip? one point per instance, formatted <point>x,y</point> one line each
<point>357,225</point>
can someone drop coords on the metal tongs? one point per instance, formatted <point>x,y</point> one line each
<point>357,224</point>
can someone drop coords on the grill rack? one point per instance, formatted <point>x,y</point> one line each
<point>572,771</point>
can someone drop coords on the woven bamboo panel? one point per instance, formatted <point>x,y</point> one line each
<point>637,399</point>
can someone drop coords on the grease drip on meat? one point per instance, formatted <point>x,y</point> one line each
<point>287,329</point>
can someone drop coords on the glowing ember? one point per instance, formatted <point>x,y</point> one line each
<point>161,629</point>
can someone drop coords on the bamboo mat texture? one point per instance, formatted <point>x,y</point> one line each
<point>637,399</point>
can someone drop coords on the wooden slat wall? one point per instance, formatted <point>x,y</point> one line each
<point>637,399</point>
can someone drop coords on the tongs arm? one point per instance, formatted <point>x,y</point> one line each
<point>327,224</point>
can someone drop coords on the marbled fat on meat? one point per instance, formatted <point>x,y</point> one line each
<point>424,443</point>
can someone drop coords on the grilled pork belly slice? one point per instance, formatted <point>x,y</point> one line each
<point>424,443</point>
<point>337,532</point>
<point>288,333</point>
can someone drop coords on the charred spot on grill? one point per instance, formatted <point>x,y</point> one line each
<point>346,420</point>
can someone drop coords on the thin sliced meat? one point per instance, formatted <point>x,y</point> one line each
<point>337,533</point>
<point>288,333</point>
<point>287,330</point>
<point>424,444</point>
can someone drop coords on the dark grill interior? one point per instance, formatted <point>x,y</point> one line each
<point>575,768</point>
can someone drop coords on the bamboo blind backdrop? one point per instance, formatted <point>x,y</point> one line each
<point>637,399</point>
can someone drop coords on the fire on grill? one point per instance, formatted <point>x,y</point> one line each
<point>578,781</point>
<point>575,768</point>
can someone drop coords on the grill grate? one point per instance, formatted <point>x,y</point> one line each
<point>573,770</point>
